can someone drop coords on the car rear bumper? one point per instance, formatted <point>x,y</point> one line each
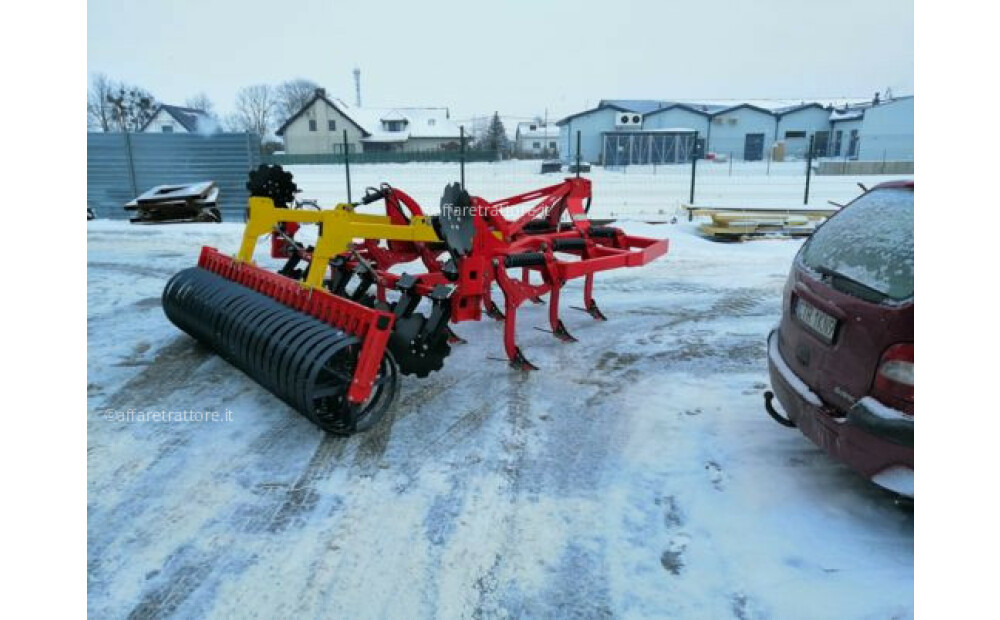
<point>872,439</point>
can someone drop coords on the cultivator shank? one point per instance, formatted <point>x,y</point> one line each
<point>330,331</point>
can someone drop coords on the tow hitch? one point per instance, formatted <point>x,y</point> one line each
<point>771,411</point>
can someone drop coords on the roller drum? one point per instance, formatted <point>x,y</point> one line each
<point>303,361</point>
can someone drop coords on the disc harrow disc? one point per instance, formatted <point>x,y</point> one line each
<point>303,361</point>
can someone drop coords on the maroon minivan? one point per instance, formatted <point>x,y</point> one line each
<point>841,359</point>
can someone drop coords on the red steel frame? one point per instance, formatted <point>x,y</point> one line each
<point>496,238</point>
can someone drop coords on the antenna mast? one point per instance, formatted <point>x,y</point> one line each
<point>357,87</point>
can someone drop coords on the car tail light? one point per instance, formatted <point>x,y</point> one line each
<point>894,378</point>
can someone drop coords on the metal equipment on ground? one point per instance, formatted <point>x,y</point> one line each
<point>175,204</point>
<point>738,223</point>
<point>375,296</point>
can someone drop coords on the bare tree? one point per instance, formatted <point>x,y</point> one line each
<point>292,96</point>
<point>100,112</point>
<point>255,107</point>
<point>203,103</point>
<point>132,107</point>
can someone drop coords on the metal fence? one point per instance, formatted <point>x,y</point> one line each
<point>121,166</point>
<point>386,157</point>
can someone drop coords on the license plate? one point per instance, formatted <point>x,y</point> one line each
<point>815,319</point>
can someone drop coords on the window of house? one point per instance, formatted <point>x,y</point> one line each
<point>536,145</point>
<point>432,121</point>
<point>167,129</point>
<point>312,124</point>
<point>533,127</point>
<point>552,145</point>
<point>331,125</point>
<point>795,134</point>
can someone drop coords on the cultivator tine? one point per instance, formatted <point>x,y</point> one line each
<point>588,300</point>
<point>339,277</point>
<point>365,282</point>
<point>408,301</point>
<point>290,268</point>
<point>592,310</point>
<point>454,338</point>
<point>562,333</point>
<point>494,312</point>
<point>559,332</point>
<point>519,362</point>
<point>440,310</point>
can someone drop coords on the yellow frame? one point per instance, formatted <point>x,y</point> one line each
<point>341,226</point>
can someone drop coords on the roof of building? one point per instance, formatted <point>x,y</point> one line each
<point>319,95</point>
<point>601,106</point>
<point>541,130</point>
<point>773,107</point>
<point>429,122</point>
<point>187,117</point>
<point>696,109</point>
<point>847,114</point>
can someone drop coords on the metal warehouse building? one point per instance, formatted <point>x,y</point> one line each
<point>622,132</point>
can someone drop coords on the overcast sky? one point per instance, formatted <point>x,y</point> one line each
<point>519,57</point>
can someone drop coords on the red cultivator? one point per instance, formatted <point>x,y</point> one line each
<point>329,332</point>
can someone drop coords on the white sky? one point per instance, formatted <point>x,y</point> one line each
<point>518,57</point>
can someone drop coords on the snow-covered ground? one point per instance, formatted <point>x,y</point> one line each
<point>635,475</point>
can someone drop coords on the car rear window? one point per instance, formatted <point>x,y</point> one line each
<point>870,242</point>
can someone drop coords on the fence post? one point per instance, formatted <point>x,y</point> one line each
<point>578,153</point>
<point>347,167</point>
<point>809,167</point>
<point>461,154</point>
<point>768,173</point>
<point>694,167</point>
<point>730,164</point>
<point>131,164</point>
<point>883,161</point>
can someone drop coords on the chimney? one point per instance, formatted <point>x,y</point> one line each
<point>321,92</point>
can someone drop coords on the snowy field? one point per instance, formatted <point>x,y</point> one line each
<point>636,475</point>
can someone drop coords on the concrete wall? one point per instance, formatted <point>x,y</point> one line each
<point>887,132</point>
<point>299,140</point>
<point>163,119</point>
<point>836,167</point>
<point>727,133</point>
<point>809,120</point>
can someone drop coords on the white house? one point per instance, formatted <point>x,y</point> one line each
<point>175,119</point>
<point>318,128</point>
<point>620,131</point>
<point>536,138</point>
